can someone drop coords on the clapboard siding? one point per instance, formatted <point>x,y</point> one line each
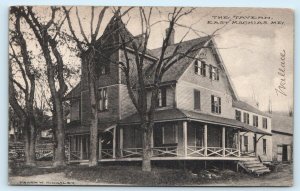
<point>74,112</point>
<point>221,85</point>
<point>126,106</point>
<point>185,99</point>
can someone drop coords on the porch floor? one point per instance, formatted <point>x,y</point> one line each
<point>171,158</point>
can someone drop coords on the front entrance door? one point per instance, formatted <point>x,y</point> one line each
<point>284,153</point>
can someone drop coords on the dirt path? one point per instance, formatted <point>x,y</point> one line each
<point>48,179</point>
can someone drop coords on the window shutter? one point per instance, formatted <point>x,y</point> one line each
<point>217,73</point>
<point>197,99</point>
<point>210,71</point>
<point>212,104</point>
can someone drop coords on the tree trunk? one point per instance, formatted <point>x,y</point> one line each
<point>59,155</point>
<point>147,139</point>
<point>93,126</point>
<point>29,146</point>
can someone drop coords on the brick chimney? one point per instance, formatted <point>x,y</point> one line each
<point>172,36</point>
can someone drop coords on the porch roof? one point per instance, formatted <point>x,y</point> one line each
<point>175,114</point>
<point>75,127</point>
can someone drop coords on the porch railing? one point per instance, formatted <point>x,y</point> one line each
<point>171,151</point>
<point>107,153</point>
<point>195,151</point>
<point>131,152</point>
<point>75,155</point>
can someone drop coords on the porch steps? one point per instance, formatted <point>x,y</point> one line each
<point>254,167</point>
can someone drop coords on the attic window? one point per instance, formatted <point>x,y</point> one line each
<point>200,68</point>
<point>213,72</point>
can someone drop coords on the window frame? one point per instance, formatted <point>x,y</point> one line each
<point>240,115</point>
<point>162,97</point>
<point>197,107</point>
<point>246,146</point>
<point>216,105</point>
<point>255,120</point>
<point>104,69</point>
<point>246,119</point>
<point>265,123</point>
<point>102,99</point>
<point>265,146</point>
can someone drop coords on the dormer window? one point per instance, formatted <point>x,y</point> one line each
<point>162,97</point>
<point>103,99</point>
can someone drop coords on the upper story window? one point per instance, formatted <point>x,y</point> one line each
<point>255,120</point>
<point>200,68</point>
<point>197,100</point>
<point>162,97</point>
<point>215,104</point>
<point>103,99</point>
<point>213,73</point>
<point>238,115</point>
<point>104,69</point>
<point>265,123</point>
<point>246,118</point>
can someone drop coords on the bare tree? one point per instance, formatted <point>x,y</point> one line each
<point>23,106</point>
<point>89,49</point>
<point>138,90</point>
<point>54,68</point>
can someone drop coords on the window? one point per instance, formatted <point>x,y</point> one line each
<point>255,120</point>
<point>197,101</point>
<point>246,143</point>
<point>213,73</point>
<point>162,97</point>
<point>238,115</point>
<point>264,146</point>
<point>103,100</point>
<point>215,104</point>
<point>200,68</point>
<point>246,118</point>
<point>170,134</point>
<point>104,69</point>
<point>265,123</point>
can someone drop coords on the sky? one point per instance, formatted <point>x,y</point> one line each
<point>249,40</point>
<point>251,45</point>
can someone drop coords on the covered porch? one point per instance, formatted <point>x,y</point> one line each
<point>186,137</point>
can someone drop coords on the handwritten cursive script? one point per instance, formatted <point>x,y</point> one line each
<point>281,72</point>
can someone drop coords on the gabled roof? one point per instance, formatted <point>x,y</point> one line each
<point>173,114</point>
<point>245,106</point>
<point>174,73</point>
<point>75,92</point>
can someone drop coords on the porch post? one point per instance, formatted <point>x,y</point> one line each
<point>254,144</point>
<point>100,147</point>
<point>223,140</point>
<point>81,148</point>
<point>121,141</point>
<point>152,141</point>
<point>205,140</point>
<point>114,142</point>
<point>239,142</point>
<point>69,157</point>
<point>185,137</point>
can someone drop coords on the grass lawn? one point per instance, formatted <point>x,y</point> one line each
<point>131,174</point>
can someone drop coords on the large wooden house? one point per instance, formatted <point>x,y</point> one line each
<point>199,115</point>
